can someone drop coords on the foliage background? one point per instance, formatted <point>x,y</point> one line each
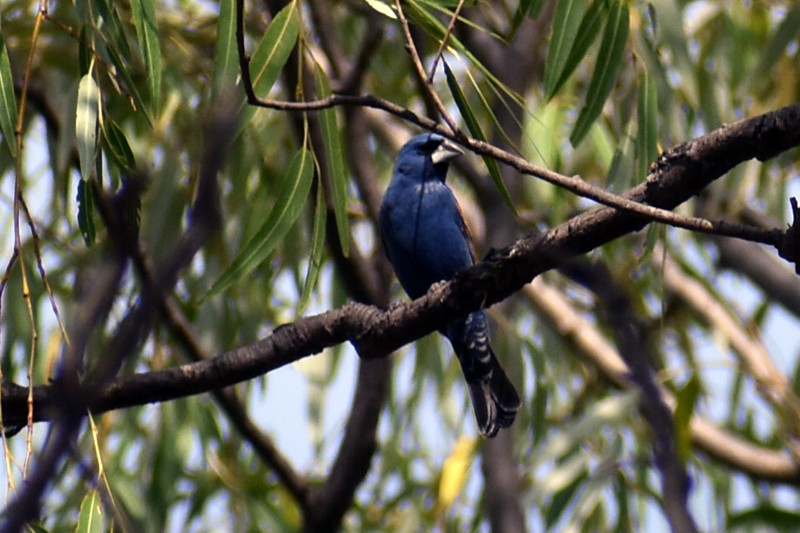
<point>117,91</point>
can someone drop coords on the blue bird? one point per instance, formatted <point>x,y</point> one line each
<point>426,240</point>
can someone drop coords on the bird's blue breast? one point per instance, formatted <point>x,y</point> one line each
<point>423,233</point>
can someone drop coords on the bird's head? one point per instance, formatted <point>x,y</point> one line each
<point>426,157</point>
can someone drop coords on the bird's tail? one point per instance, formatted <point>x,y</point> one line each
<point>495,401</point>
<point>494,397</point>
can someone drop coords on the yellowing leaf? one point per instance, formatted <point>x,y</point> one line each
<point>454,473</point>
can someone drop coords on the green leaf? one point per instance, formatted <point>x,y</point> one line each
<point>84,52</point>
<point>122,70</point>
<point>647,131</point>
<point>566,21</point>
<point>686,399</point>
<point>90,518</point>
<point>785,34</point>
<point>274,49</point>
<point>112,28</point>
<point>475,130</point>
<point>226,59</point>
<point>433,26</point>
<point>672,40</point>
<point>594,18</point>
<point>287,208</point>
<point>117,145</point>
<point>85,210</point>
<point>86,123</point>
<point>317,247</point>
<point>532,7</point>
<point>525,9</point>
<point>562,499</point>
<point>8,102</point>
<point>144,18</point>
<point>609,61</point>
<point>759,518</point>
<point>335,162</point>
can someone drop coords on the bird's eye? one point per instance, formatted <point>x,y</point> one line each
<point>429,146</point>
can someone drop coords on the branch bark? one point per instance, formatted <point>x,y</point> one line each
<point>680,174</point>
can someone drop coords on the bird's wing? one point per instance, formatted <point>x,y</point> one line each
<point>464,229</point>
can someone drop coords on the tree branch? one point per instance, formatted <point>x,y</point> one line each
<point>770,134</point>
<point>756,461</point>
<point>373,331</point>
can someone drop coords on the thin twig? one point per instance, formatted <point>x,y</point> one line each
<point>444,41</point>
<point>595,349</point>
<point>573,184</point>
<point>417,61</point>
<point>42,272</point>
<point>40,14</point>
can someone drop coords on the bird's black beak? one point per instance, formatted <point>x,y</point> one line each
<point>445,152</point>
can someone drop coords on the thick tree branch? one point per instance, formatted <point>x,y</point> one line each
<point>771,134</point>
<point>756,461</point>
<point>769,273</point>
<point>680,174</point>
<point>70,396</point>
<point>324,505</point>
<point>635,351</point>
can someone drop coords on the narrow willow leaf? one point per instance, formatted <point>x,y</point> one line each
<point>476,131</point>
<point>335,159</point>
<point>646,134</point>
<point>85,210</point>
<point>8,102</point>
<point>317,247</point>
<point>86,123</point>
<point>594,18</point>
<point>384,9</point>
<point>686,399</point>
<point>144,18</point>
<point>110,55</point>
<point>433,26</point>
<point>112,27</point>
<point>563,498</point>
<point>566,21</point>
<point>673,41</point>
<point>609,61</point>
<point>274,49</point>
<point>786,33</point>
<point>90,517</point>
<point>117,145</point>
<point>655,233</point>
<point>533,7</point>
<point>765,517</point>
<point>85,52</point>
<point>709,95</point>
<point>488,108</point>
<point>454,474</point>
<point>287,208</point>
<point>226,59</point>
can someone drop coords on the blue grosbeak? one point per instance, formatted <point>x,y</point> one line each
<point>426,240</point>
